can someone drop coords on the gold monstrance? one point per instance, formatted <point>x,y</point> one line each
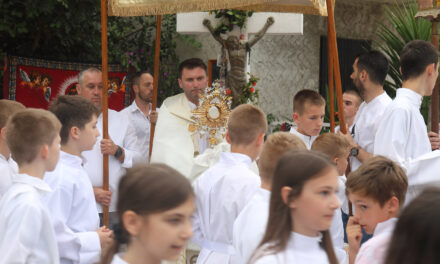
<point>212,114</point>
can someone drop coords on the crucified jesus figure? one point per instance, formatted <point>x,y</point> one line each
<point>236,76</point>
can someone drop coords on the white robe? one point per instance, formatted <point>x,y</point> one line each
<point>8,168</point>
<point>73,209</point>
<point>366,122</point>
<point>26,231</point>
<point>250,226</point>
<point>402,136</point>
<point>300,250</point>
<point>173,144</point>
<point>221,193</point>
<point>308,140</point>
<point>123,134</point>
<point>375,249</point>
<point>117,259</point>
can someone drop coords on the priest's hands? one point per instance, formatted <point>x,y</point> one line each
<point>434,139</point>
<point>354,237</point>
<point>153,117</point>
<point>102,196</point>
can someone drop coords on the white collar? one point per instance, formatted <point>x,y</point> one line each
<point>264,193</point>
<point>410,96</point>
<point>235,158</point>
<point>385,227</point>
<point>293,130</point>
<point>3,158</point>
<point>72,160</point>
<point>117,259</point>
<point>134,107</point>
<point>35,182</point>
<point>304,243</point>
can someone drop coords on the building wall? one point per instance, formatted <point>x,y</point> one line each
<point>286,64</point>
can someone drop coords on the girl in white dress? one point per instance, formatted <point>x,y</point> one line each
<point>154,206</point>
<point>302,205</point>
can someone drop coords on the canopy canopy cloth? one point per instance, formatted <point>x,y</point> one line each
<point>159,7</point>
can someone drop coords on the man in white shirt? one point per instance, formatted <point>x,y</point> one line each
<point>140,114</point>
<point>176,143</point>
<point>224,189</point>
<point>402,134</point>
<point>369,72</point>
<point>8,167</point>
<point>250,225</point>
<point>121,146</point>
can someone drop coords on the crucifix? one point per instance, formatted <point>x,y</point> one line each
<point>234,50</point>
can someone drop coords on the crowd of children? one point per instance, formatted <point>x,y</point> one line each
<point>290,212</point>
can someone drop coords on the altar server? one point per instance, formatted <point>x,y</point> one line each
<point>402,134</point>
<point>223,190</point>
<point>8,167</point>
<point>302,205</point>
<point>26,231</point>
<point>154,206</point>
<point>251,222</point>
<point>72,202</point>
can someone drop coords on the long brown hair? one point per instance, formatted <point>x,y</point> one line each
<point>293,170</point>
<point>145,190</point>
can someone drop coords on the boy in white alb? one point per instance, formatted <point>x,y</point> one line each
<point>8,167</point>
<point>72,203</point>
<point>402,134</point>
<point>369,72</point>
<point>223,190</point>
<point>308,114</point>
<point>26,231</point>
<point>377,191</point>
<point>250,225</point>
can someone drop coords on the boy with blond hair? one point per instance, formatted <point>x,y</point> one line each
<point>337,149</point>
<point>26,231</point>
<point>250,225</point>
<point>377,191</point>
<point>223,190</point>
<point>72,204</point>
<point>7,165</point>
<point>308,115</point>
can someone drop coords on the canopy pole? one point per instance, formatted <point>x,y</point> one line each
<point>334,53</point>
<point>104,100</point>
<point>156,76</point>
<point>331,89</point>
<point>435,95</point>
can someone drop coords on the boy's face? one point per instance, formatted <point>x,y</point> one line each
<point>342,162</point>
<point>89,134</point>
<point>310,121</point>
<point>368,212</point>
<point>351,105</point>
<point>53,154</point>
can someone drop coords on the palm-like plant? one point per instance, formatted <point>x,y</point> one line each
<point>399,28</point>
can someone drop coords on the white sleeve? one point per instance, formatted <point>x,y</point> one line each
<point>25,223</point>
<point>197,237</point>
<point>130,146</point>
<point>392,135</point>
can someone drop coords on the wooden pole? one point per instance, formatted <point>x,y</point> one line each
<point>156,76</point>
<point>435,95</point>
<point>334,53</point>
<point>104,100</point>
<point>331,89</point>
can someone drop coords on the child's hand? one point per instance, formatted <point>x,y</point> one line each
<point>102,196</point>
<point>105,238</point>
<point>354,236</point>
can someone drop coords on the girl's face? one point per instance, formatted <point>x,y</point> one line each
<point>312,211</point>
<point>162,236</point>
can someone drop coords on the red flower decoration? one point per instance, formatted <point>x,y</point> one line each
<point>228,92</point>
<point>252,90</point>
<point>254,83</point>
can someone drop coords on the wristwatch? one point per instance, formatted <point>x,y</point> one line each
<point>118,152</point>
<point>354,151</point>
